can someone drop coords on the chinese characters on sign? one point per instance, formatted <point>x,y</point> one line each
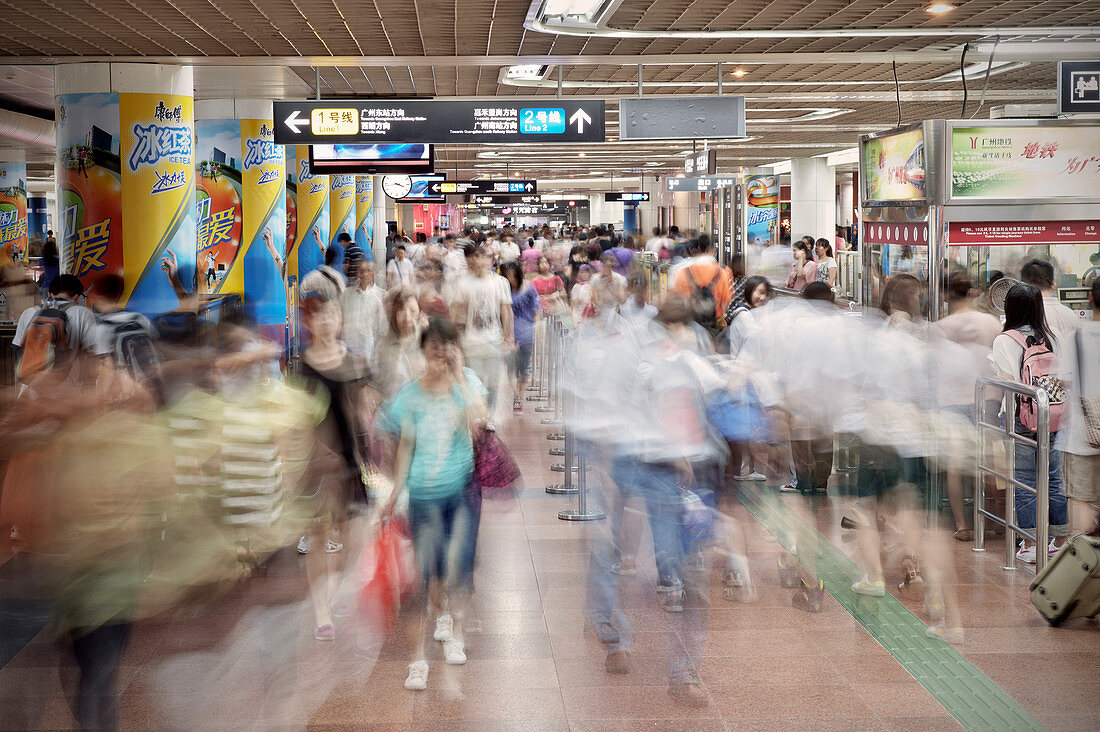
<point>995,233</point>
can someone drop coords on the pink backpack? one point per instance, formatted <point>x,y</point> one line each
<point>1039,370</point>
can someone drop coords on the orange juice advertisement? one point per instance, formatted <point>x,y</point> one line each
<point>13,212</point>
<point>218,201</point>
<point>89,184</point>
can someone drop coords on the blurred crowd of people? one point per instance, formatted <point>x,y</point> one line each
<point>150,463</point>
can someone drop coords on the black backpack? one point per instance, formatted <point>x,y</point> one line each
<point>702,300</point>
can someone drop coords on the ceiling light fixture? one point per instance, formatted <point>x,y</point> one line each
<point>939,8</point>
<point>739,73</point>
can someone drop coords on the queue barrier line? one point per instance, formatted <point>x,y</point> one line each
<point>971,697</point>
<point>1041,533</point>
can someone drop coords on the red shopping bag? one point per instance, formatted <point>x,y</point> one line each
<point>391,569</point>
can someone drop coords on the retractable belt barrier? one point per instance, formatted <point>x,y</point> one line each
<point>1041,534</point>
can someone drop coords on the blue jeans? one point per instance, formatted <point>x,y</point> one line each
<point>1058,519</point>
<point>444,540</point>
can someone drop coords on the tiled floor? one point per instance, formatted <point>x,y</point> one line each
<point>249,660</point>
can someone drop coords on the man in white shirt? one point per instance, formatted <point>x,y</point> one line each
<point>657,242</point>
<point>481,307</point>
<point>399,272</point>
<point>454,260</point>
<point>364,310</point>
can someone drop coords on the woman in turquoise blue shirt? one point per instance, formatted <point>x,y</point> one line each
<point>436,417</point>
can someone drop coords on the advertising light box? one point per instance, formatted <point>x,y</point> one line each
<point>1025,162</point>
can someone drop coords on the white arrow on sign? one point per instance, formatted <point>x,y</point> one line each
<point>580,117</point>
<point>295,123</point>
<point>528,186</point>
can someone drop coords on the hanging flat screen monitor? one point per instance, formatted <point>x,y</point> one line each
<point>371,159</point>
<point>892,168</point>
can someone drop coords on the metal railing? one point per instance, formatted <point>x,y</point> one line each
<point>1041,444</point>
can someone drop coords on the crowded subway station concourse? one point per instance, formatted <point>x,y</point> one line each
<point>550,364</point>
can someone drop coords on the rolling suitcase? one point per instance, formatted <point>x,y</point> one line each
<point>1069,586</point>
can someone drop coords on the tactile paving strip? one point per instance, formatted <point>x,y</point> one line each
<point>965,692</point>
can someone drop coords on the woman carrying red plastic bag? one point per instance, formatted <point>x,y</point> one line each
<point>435,418</point>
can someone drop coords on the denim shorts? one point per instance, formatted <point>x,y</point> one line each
<point>444,534</point>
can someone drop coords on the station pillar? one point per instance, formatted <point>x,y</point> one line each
<point>312,220</point>
<point>125,172</point>
<point>341,206</point>
<point>14,227</point>
<point>364,214</point>
<point>241,191</point>
<point>813,199</point>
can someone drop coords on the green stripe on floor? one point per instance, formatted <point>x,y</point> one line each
<point>965,692</point>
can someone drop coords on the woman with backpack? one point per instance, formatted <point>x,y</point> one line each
<point>1023,352</point>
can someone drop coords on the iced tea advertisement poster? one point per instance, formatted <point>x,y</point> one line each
<point>892,167</point>
<point>341,206</point>
<point>761,210</point>
<point>364,214</point>
<point>158,196</point>
<point>13,211</point>
<point>1025,163</point>
<point>311,214</point>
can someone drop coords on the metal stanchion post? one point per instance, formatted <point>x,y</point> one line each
<point>581,513</point>
<point>1042,482</point>
<point>553,398</point>
<point>540,392</point>
<point>979,475</point>
<point>537,357</point>
<point>566,466</point>
<point>1010,496</point>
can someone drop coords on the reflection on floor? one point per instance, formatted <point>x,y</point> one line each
<point>250,661</point>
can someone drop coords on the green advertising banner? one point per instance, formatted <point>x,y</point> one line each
<point>1026,163</point>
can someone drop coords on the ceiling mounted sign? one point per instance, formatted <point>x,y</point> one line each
<point>491,120</point>
<point>681,118</point>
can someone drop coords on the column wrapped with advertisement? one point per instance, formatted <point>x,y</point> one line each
<point>311,235</point>
<point>364,214</point>
<point>13,210</point>
<point>341,207</point>
<point>260,261</point>
<point>761,211</point>
<point>125,180</point>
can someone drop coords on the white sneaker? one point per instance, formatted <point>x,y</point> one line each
<point>752,476</point>
<point>418,676</point>
<point>454,652</point>
<point>1026,555</point>
<point>444,626</point>
<point>1052,549</point>
<point>333,547</point>
<point>866,587</point>
<point>303,545</point>
<point>789,488</point>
